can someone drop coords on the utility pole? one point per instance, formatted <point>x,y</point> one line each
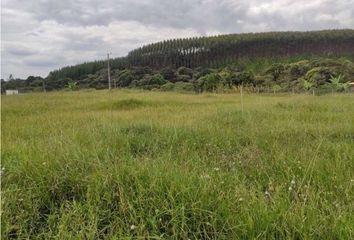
<point>109,73</point>
<point>43,85</point>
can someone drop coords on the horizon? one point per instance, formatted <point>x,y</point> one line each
<point>41,37</point>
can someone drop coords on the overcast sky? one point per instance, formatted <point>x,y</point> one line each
<point>41,35</point>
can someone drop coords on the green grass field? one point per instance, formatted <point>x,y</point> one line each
<point>151,165</point>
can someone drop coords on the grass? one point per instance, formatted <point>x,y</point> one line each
<point>130,165</point>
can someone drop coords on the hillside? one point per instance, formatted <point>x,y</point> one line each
<point>260,57</point>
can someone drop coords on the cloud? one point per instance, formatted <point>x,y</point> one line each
<point>41,35</point>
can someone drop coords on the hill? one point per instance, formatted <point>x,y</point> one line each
<point>253,55</point>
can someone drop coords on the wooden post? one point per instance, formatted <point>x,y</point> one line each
<point>242,99</point>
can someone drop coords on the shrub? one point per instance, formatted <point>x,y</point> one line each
<point>168,73</point>
<point>157,79</point>
<point>183,86</point>
<point>307,85</point>
<point>72,85</point>
<point>183,78</point>
<point>185,71</point>
<point>167,87</point>
<point>209,82</point>
<point>244,77</point>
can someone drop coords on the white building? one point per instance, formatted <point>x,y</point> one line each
<point>11,92</point>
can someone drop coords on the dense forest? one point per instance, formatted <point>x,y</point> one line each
<point>277,60</point>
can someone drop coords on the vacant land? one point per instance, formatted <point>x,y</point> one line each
<point>129,164</point>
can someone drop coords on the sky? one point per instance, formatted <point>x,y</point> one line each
<point>38,36</point>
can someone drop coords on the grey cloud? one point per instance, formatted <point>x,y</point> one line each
<point>45,62</point>
<point>73,31</point>
<point>20,51</point>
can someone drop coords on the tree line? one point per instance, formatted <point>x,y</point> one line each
<point>221,50</point>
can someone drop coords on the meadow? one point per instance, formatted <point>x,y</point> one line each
<point>155,165</point>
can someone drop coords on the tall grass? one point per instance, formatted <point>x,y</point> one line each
<point>129,164</point>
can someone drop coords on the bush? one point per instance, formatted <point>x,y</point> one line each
<point>168,73</point>
<point>183,86</point>
<point>209,82</point>
<point>183,78</point>
<point>185,71</point>
<point>244,77</point>
<point>167,87</point>
<point>157,79</point>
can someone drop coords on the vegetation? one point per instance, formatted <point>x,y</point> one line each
<point>273,57</point>
<point>137,164</point>
<point>317,73</point>
<point>224,49</point>
<point>72,85</point>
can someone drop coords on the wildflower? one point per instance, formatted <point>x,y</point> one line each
<point>240,199</point>
<point>290,189</point>
<point>292,182</point>
<point>206,176</point>
<point>266,193</point>
<point>216,169</point>
<point>132,227</point>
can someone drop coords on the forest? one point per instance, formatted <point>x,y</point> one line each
<point>273,60</point>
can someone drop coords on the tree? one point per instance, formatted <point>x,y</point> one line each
<point>276,70</point>
<point>11,77</point>
<point>125,78</point>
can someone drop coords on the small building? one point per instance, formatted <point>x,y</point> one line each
<point>11,92</point>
